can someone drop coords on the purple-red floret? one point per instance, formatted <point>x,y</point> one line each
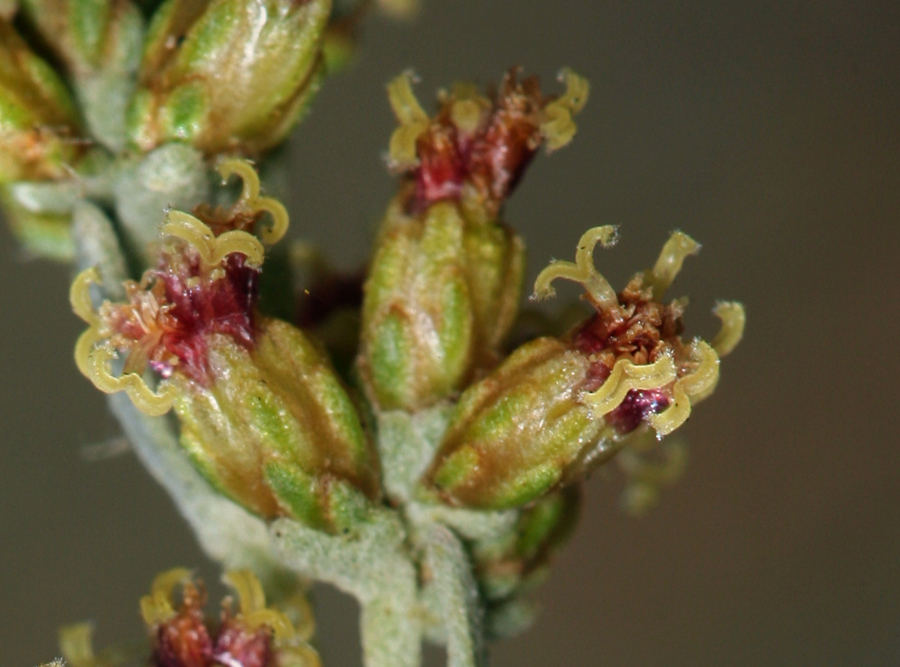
<point>637,406</point>
<point>176,307</point>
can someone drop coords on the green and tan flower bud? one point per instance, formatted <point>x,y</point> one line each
<point>263,414</point>
<point>445,282</point>
<point>441,294</point>
<point>519,561</point>
<point>228,75</point>
<point>557,408</point>
<point>39,126</point>
<point>85,36</point>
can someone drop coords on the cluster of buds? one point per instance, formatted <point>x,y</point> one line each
<point>89,91</point>
<point>486,437</point>
<point>181,635</point>
<point>268,421</point>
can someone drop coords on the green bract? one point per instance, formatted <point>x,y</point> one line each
<point>514,435</point>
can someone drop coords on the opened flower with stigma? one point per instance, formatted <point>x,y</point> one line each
<point>558,407</point>
<point>263,415</point>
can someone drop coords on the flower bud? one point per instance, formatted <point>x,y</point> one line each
<point>263,415</point>
<point>38,122</point>
<point>84,36</point>
<point>98,43</point>
<point>445,281</point>
<point>519,560</point>
<point>227,75</point>
<point>557,408</point>
<point>440,296</point>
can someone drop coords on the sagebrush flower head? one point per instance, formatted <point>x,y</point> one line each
<point>558,407</point>
<point>445,282</point>
<point>264,417</point>
<point>211,91</point>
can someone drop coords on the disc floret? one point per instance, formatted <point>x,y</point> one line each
<point>205,283</point>
<point>476,147</point>
<point>641,369</point>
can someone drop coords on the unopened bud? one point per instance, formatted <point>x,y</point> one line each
<point>516,562</point>
<point>98,44</point>
<point>227,75</point>
<point>39,126</point>
<point>441,295</point>
<point>263,415</point>
<point>557,408</point>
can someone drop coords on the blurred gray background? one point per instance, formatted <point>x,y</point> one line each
<point>770,131</point>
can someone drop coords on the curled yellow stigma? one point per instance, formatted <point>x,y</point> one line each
<point>157,607</point>
<point>412,118</point>
<point>251,203</point>
<point>669,263</point>
<point>734,318</point>
<point>211,248</point>
<point>558,125</point>
<point>93,354</point>
<point>582,271</point>
<point>694,387</point>
<point>77,645</point>
<point>649,466</point>
<point>626,376</point>
<point>252,602</point>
